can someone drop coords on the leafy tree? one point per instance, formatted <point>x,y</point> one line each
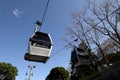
<point>58,73</point>
<point>7,71</point>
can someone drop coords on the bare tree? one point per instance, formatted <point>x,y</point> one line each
<point>100,18</point>
<point>78,31</point>
<point>105,18</point>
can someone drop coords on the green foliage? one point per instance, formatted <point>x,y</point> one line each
<point>7,71</point>
<point>58,73</point>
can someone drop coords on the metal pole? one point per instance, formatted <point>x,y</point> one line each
<point>30,72</point>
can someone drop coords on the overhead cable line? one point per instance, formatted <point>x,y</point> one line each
<point>63,48</point>
<point>45,11</point>
<point>59,50</point>
<point>43,16</point>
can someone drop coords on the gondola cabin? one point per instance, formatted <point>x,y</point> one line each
<point>79,57</point>
<point>39,47</point>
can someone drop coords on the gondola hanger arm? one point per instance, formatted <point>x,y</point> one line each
<point>38,25</point>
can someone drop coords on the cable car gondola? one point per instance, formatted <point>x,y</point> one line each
<point>39,47</point>
<point>79,57</point>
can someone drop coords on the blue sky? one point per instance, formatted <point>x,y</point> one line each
<point>17,19</point>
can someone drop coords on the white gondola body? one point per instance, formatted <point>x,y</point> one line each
<point>42,49</point>
<point>39,51</point>
<point>39,47</point>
